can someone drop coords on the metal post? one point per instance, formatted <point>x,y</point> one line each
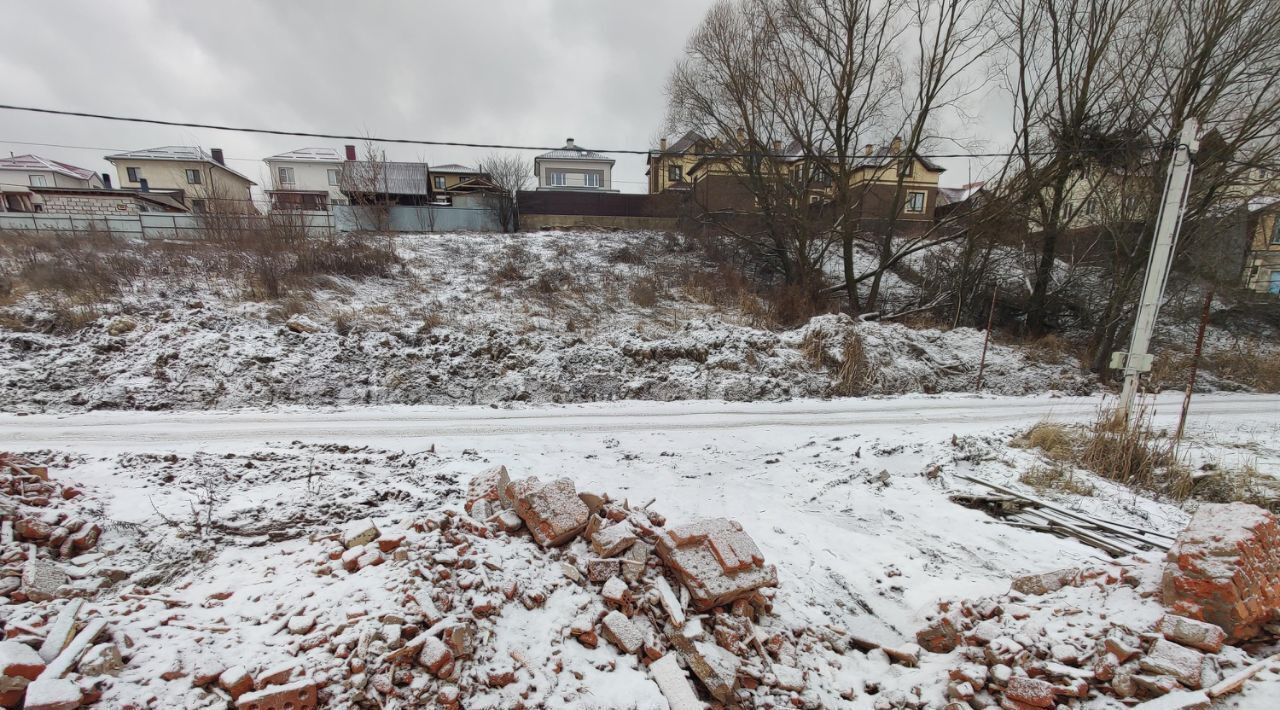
<point>1138,360</point>
<point>1195,365</point>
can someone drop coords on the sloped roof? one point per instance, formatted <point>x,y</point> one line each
<point>392,178</point>
<point>183,153</point>
<point>454,168</point>
<point>318,155</point>
<point>164,198</point>
<point>571,151</point>
<point>950,195</point>
<point>884,155</point>
<point>35,162</point>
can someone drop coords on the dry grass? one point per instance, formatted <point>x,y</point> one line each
<point>1058,477</point>
<point>1249,363</point>
<point>646,291</point>
<point>851,371</point>
<point>73,272</point>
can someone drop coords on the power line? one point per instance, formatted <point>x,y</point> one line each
<point>459,144</point>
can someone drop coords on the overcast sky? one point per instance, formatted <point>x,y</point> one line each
<point>527,72</point>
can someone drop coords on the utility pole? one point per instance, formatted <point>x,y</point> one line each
<point>1138,360</point>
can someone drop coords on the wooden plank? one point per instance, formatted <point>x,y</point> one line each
<point>1127,531</point>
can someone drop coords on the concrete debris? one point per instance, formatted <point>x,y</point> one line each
<point>52,694</point>
<point>674,683</point>
<point>102,659</point>
<point>62,631</point>
<point>716,561</point>
<point>359,533</point>
<point>613,540</point>
<point>1047,582</point>
<point>301,324</point>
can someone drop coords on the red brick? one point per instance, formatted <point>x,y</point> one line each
<point>1224,569</point>
<point>299,695</point>
<point>1030,691</point>
<point>716,561</point>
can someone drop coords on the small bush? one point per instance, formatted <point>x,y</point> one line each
<point>645,292</point>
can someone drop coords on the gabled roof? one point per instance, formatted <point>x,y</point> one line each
<point>315,155</point>
<point>35,162</point>
<point>183,153</point>
<point>951,195</point>
<point>570,151</point>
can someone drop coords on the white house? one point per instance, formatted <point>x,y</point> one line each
<point>574,168</point>
<point>307,178</point>
<point>34,171</point>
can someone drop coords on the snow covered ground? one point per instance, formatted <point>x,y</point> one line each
<point>848,497</point>
<point>479,319</point>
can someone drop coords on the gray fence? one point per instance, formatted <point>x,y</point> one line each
<point>155,225</point>
<point>457,218</point>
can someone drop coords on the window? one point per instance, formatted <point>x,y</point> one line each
<point>915,201</point>
<point>907,168</point>
<point>286,175</point>
<point>1090,207</point>
<point>592,179</point>
<point>134,174</point>
<point>1273,286</point>
<point>673,173</point>
<point>1275,231</point>
<point>333,177</point>
<point>36,180</point>
<point>199,206</point>
<point>438,181</point>
<point>559,178</point>
<point>193,177</point>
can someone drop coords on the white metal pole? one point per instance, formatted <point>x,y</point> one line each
<point>1138,360</point>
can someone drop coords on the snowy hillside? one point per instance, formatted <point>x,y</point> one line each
<point>480,319</point>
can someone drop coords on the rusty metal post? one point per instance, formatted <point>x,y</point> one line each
<point>1195,366</point>
<point>986,340</point>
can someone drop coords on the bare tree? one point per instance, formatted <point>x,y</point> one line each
<point>512,174</point>
<point>366,182</point>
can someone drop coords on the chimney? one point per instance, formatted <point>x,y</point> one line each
<point>217,156</point>
<point>662,145</point>
<point>868,149</point>
<point>568,142</point>
<point>896,146</point>
<point>742,136</point>
<point>351,152</point>
<point>106,180</point>
<point>777,147</point>
<point>143,186</point>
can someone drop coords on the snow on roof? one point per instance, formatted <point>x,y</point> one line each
<point>35,162</point>
<point>321,155</point>
<point>574,152</point>
<point>950,195</point>
<point>183,153</point>
<point>454,168</point>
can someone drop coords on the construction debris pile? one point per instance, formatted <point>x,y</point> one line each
<point>1072,634</point>
<point>47,548</point>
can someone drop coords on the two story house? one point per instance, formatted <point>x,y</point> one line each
<point>668,166</point>
<point>306,179</point>
<point>35,171</point>
<point>203,178</point>
<point>574,168</point>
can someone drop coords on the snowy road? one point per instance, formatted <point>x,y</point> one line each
<point>130,430</point>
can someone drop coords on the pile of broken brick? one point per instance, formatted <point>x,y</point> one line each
<point>692,605</point>
<point>678,600</point>
<point>1220,585</point>
<point>47,555</point>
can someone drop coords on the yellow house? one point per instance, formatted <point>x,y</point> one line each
<point>669,166</point>
<point>1262,270</point>
<point>204,179</point>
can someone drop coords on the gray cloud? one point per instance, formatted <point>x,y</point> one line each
<point>530,72</point>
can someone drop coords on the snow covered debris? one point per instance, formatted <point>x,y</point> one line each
<point>1225,569</point>
<point>716,561</point>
